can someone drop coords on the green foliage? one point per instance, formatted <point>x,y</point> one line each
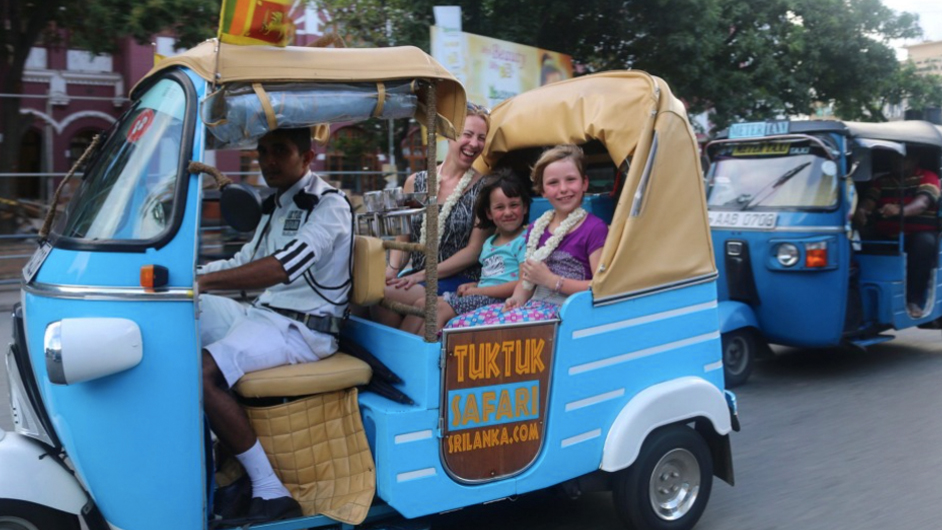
<point>739,59</point>
<point>96,24</point>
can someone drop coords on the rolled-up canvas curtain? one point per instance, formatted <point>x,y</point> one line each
<point>237,115</point>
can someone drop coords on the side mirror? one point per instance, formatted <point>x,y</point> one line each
<point>241,207</point>
<point>861,169</point>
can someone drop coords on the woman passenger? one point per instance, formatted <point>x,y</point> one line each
<point>460,241</point>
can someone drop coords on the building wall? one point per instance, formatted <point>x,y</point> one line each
<point>71,95</point>
<point>927,56</point>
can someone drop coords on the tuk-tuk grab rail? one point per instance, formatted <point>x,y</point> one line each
<point>431,219</point>
<point>765,139</point>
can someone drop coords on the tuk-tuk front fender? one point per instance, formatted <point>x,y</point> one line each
<point>43,479</point>
<point>736,315</point>
<point>679,400</point>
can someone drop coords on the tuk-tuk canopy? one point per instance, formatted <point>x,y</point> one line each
<point>270,64</point>
<point>908,131</point>
<point>658,240</point>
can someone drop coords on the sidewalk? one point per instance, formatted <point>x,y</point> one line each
<point>9,295</point>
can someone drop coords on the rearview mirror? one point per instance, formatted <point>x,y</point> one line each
<point>861,168</point>
<point>241,207</point>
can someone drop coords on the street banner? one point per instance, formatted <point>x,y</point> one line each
<point>493,70</point>
<point>253,22</point>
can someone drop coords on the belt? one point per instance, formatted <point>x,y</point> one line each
<point>322,324</point>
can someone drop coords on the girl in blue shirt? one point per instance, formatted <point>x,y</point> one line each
<point>504,206</point>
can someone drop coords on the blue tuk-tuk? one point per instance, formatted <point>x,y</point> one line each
<point>794,267</point>
<point>624,391</point>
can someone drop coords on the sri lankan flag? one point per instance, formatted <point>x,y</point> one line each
<point>256,22</point>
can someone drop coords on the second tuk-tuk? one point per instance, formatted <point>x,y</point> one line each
<point>624,391</point>
<point>794,267</point>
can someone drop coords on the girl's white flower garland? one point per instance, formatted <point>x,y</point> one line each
<point>540,254</point>
<point>449,205</point>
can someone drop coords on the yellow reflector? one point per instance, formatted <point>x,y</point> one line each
<point>153,276</point>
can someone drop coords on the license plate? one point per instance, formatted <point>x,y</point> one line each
<point>36,261</point>
<point>748,220</point>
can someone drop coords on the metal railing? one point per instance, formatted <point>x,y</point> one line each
<point>7,259</point>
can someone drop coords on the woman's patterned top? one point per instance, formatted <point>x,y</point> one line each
<point>456,230</point>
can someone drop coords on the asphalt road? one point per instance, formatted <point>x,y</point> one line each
<point>830,440</point>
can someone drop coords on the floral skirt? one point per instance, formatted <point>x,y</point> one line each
<point>532,311</point>
<point>467,304</point>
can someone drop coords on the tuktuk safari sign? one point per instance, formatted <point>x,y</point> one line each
<point>496,385</point>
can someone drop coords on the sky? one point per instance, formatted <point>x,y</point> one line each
<point>930,18</point>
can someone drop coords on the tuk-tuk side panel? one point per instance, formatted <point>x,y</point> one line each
<point>796,306</point>
<point>409,473</point>
<point>406,440</point>
<point>881,287</point>
<point>135,437</point>
<point>608,354</point>
<point>415,361</point>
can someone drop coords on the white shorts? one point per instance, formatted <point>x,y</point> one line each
<point>244,339</point>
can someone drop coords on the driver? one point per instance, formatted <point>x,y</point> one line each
<point>300,255</point>
<point>919,190</point>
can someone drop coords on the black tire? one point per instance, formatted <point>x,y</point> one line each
<point>739,356</point>
<point>21,515</point>
<point>668,486</point>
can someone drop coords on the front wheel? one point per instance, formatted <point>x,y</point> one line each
<point>668,486</point>
<point>21,515</point>
<point>739,354</point>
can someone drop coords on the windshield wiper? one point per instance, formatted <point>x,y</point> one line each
<point>770,188</point>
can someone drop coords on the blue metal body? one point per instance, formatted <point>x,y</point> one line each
<point>605,355</point>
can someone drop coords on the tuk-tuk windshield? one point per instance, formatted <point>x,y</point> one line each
<point>771,175</point>
<point>127,193</point>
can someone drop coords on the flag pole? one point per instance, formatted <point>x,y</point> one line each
<point>217,47</point>
<point>218,50</point>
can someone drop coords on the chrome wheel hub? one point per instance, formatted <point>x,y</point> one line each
<point>674,484</point>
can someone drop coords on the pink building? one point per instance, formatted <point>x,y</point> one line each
<point>73,95</point>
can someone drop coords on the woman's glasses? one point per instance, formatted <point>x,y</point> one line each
<point>474,108</point>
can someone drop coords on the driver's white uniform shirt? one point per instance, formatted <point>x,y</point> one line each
<point>313,246</point>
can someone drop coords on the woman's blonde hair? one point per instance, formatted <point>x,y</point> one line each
<point>555,154</point>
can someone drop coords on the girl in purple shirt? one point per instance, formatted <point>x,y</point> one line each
<point>564,245</point>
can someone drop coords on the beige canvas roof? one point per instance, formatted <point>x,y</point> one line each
<point>661,239</point>
<point>352,65</point>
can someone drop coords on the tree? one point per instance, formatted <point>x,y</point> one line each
<point>918,91</point>
<point>740,59</point>
<point>94,25</point>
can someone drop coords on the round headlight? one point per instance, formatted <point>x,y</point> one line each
<point>52,344</point>
<point>787,254</point>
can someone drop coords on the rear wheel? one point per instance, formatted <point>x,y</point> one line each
<point>668,486</point>
<point>739,355</point>
<point>21,515</point>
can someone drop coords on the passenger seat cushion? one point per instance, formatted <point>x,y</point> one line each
<point>318,448</point>
<point>336,372</point>
<point>369,271</point>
